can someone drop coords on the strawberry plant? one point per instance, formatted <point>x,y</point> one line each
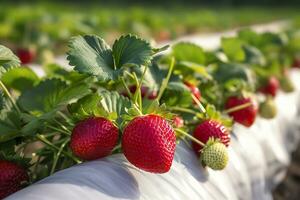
<point>126,98</point>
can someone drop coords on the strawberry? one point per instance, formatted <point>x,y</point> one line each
<point>214,155</point>
<point>93,138</point>
<point>245,116</point>
<point>149,142</point>
<point>12,178</point>
<point>286,84</point>
<point>144,92</point>
<point>210,129</point>
<point>271,87</point>
<point>178,122</point>
<point>194,90</point>
<point>26,55</point>
<point>268,109</point>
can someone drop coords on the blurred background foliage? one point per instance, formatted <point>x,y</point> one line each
<point>50,24</point>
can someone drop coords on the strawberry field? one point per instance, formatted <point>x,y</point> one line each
<point>147,106</point>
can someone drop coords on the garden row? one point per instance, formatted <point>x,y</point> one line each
<point>45,28</point>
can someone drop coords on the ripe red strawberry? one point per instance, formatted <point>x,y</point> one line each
<point>245,116</point>
<point>93,138</point>
<point>149,143</point>
<point>26,55</point>
<point>144,92</point>
<point>194,90</point>
<point>178,122</point>
<point>271,87</point>
<point>210,129</point>
<point>12,178</point>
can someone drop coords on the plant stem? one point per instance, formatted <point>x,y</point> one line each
<point>202,109</point>
<point>129,74</point>
<point>140,85</point>
<point>58,155</point>
<point>62,125</point>
<point>189,136</point>
<point>65,117</point>
<point>59,130</point>
<point>137,95</point>
<point>126,87</point>
<point>186,110</point>
<point>49,144</point>
<point>5,90</point>
<point>117,147</point>
<point>166,80</point>
<point>237,108</point>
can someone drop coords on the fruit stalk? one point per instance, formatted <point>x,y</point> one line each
<point>58,155</point>
<point>189,136</point>
<point>5,90</point>
<point>166,80</point>
<point>48,143</point>
<point>237,108</point>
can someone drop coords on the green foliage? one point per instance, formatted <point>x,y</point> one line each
<point>228,71</point>
<point>20,79</point>
<point>50,94</point>
<point>91,55</point>
<point>190,52</point>
<point>233,48</point>
<point>177,94</point>
<point>130,50</point>
<point>254,56</point>
<point>8,59</point>
<point>86,106</point>
<point>113,105</point>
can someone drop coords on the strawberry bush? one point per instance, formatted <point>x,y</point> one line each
<point>138,100</point>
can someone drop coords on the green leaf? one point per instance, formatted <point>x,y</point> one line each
<point>113,102</point>
<point>227,71</point>
<point>50,94</point>
<point>130,50</point>
<point>86,106</point>
<point>249,36</point>
<point>153,76</point>
<point>34,124</point>
<point>8,59</point>
<point>254,56</point>
<point>184,51</point>
<point>199,69</point>
<point>91,55</point>
<point>2,101</point>
<point>20,79</point>
<point>7,148</point>
<point>233,48</point>
<point>54,69</point>
<point>7,131</point>
<point>177,94</point>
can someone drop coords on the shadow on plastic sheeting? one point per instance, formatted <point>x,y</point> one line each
<point>188,158</point>
<point>108,178</point>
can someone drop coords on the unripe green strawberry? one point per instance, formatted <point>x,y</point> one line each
<point>286,84</point>
<point>268,109</point>
<point>214,155</point>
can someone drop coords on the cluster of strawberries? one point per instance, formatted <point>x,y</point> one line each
<point>148,141</point>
